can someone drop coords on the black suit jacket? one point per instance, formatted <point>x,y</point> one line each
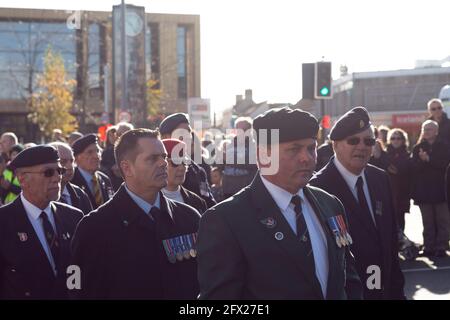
<point>105,186</point>
<point>120,252</point>
<point>25,272</point>
<point>193,200</point>
<point>239,256</point>
<point>79,198</point>
<point>371,245</point>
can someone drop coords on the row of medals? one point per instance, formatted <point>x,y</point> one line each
<point>184,253</point>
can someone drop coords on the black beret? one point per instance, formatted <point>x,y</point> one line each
<point>34,156</point>
<point>82,143</point>
<point>293,124</point>
<point>354,121</point>
<point>169,123</point>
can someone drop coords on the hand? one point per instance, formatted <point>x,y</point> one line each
<point>392,169</point>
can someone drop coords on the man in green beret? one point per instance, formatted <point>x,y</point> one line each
<point>278,238</point>
<point>35,230</point>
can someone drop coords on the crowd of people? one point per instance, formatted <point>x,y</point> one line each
<point>158,214</point>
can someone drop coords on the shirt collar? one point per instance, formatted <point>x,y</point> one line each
<point>33,211</point>
<point>349,177</point>
<point>66,191</point>
<point>282,197</point>
<point>86,175</point>
<point>144,205</point>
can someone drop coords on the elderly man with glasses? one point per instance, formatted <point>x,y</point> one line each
<point>36,231</point>
<point>436,113</point>
<point>367,198</point>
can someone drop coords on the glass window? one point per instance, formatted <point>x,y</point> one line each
<point>181,62</point>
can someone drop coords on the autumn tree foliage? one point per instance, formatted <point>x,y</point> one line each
<point>52,101</point>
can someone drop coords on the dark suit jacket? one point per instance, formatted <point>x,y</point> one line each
<point>79,198</point>
<point>25,272</point>
<point>193,200</point>
<point>239,257</point>
<point>371,245</point>
<point>105,186</point>
<point>120,252</point>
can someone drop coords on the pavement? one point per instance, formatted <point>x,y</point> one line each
<point>425,278</point>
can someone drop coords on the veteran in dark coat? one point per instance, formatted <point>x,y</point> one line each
<point>176,171</point>
<point>278,238</point>
<point>366,195</point>
<point>70,193</point>
<point>139,245</point>
<point>35,231</point>
<point>87,176</point>
<point>177,126</point>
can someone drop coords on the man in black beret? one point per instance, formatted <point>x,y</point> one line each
<point>367,198</point>
<point>177,126</point>
<point>87,176</point>
<point>278,238</point>
<point>35,230</point>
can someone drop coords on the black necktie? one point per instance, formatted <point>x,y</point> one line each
<point>50,236</point>
<point>362,199</point>
<point>302,228</point>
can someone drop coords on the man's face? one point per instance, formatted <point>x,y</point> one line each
<point>66,160</point>
<point>216,177</point>
<point>297,161</point>
<point>6,143</point>
<point>435,110</point>
<point>176,173</point>
<point>149,170</point>
<point>89,159</point>
<point>39,188</point>
<point>354,157</point>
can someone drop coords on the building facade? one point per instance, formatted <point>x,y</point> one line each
<point>394,98</point>
<point>172,52</point>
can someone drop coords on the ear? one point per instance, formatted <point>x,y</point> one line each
<point>22,177</point>
<point>126,168</point>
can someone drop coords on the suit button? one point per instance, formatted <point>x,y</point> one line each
<point>27,294</point>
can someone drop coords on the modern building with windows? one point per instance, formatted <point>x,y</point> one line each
<point>395,98</point>
<point>172,54</point>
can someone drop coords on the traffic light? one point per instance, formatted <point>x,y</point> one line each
<point>323,81</point>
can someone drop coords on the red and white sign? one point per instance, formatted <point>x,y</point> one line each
<point>408,120</point>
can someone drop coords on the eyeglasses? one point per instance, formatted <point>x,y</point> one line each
<point>436,108</point>
<point>369,142</point>
<point>50,172</point>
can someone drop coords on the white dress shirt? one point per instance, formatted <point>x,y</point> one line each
<point>174,195</point>
<point>317,236</point>
<point>144,205</point>
<point>65,195</point>
<point>351,180</point>
<point>33,214</point>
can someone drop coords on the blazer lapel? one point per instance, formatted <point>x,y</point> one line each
<point>331,247</point>
<point>29,241</point>
<point>64,238</point>
<point>272,221</point>
<point>73,196</point>
<point>82,183</point>
<point>343,192</point>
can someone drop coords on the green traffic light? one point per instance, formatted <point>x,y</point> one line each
<point>324,91</point>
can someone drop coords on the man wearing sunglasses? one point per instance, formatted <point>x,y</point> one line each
<point>87,176</point>
<point>36,231</point>
<point>436,113</point>
<point>367,198</point>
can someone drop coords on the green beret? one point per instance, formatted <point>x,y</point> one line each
<point>34,156</point>
<point>354,121</point>
<point>82,143</point>
<point>169,124</point>
<point>293,124</point>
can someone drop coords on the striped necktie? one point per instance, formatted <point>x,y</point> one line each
<point>50,236</point>
<point>97,192</point>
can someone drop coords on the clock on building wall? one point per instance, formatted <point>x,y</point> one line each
<point>134,24</point>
